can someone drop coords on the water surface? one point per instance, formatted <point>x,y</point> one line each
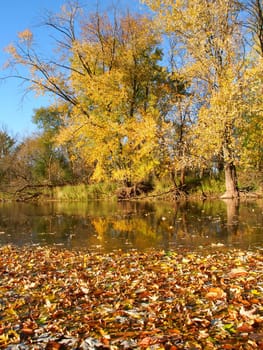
<point>107,226</point>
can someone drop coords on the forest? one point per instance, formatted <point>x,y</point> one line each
<point>166,100</point>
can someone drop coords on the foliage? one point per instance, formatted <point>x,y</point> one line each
<point>34,162</point>
<point>210,41</point>
<point>6,144</point>
<point>129,109</point>
<point>255,23</point>
<point>7,148</point>
<point>252,129</point>
<point>107,80</point>
<point>53,166</point>
<point>60,299</point>
<point>117,113</point>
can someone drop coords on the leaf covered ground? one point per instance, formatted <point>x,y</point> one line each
<point>53,298</point>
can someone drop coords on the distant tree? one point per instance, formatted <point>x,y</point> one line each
<point>52,165</point>
<point>7,147</point>
<point>7,143</point>
<point>57,164</point>
<point>48,120</point>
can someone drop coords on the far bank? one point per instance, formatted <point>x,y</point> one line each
<point>165,189</point>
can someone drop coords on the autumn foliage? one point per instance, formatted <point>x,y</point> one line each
<point>58,299</point>
<point>133,106</point>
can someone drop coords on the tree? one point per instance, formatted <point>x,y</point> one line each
<point>122,113</point>
<point>209,38</point>
<point>7,143</point>
<point>252,129</point>
<point>119,95</point>
<point>7,147</point>
<point>26,155</point>
<point>107,84</point>
<point>254,23</point>
<point>58,163</point>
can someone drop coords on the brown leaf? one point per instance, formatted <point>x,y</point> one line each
<point>245,328</point>
<point>27,331</point>
<point>237,272</point>
<point>215,293</point>
<point>53,345</point>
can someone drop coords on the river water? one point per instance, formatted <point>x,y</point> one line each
<point>107,226</point>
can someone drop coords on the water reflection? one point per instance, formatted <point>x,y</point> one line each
<point>105,226</point>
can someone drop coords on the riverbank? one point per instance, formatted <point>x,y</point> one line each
<point>162,190</point>
<point>53,298</point>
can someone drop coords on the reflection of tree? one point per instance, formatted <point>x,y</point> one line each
<point>133,228</point>
<point>138,225</point>
<point>101,227</point>
<point>232,206</point>
<point>122,226</point>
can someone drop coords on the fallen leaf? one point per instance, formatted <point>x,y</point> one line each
<point>215,293</point>
<point>245,328</point>
<point>237,272</point>
<point>27,331</point>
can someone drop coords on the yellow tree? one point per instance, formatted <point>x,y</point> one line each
<point>252,129</point>
<point>106,82</point>
<point>209,38</point>
<point>118,94</point>
<point>175,137</point>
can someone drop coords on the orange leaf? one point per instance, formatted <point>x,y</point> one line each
<point>245,328</point>
<point>145,342</point>
<point>53,345</point>
<point>27,331</point>
<point>237,272</point>
<point>215,293</point>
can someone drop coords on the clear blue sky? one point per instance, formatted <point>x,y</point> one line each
<point>16,108</point>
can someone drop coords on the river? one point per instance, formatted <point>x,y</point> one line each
<point>107,226</point>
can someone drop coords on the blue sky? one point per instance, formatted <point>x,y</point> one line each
<point>16,108</point>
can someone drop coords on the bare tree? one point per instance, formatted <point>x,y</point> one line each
<point>254,22</point>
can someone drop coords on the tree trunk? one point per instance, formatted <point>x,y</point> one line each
<point>182,176</point>
<point>230,181</point>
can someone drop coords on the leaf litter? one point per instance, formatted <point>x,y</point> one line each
<point>52,298</point>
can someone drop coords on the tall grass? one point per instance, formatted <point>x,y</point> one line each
<point>5,196</point>
<point>210,186</point>
<point>83,192</point>
<point>162,185</point>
